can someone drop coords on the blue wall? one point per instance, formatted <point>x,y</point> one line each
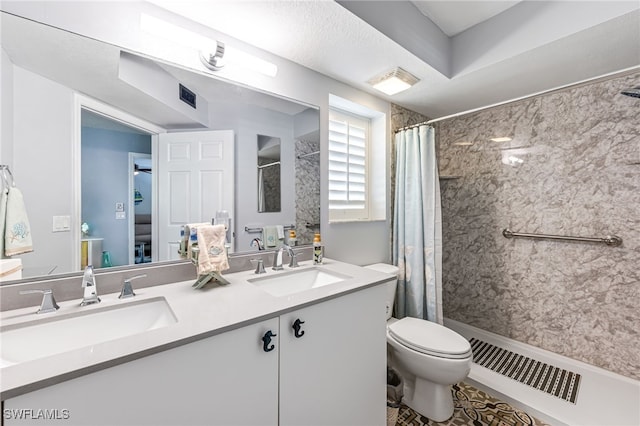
<point>105,159</point>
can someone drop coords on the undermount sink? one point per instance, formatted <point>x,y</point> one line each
<point>287,283</point>
<point>51,335</point>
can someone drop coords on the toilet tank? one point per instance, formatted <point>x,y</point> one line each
<point>391,286</point>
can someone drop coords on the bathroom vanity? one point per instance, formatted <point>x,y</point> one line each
<point>257,351</point>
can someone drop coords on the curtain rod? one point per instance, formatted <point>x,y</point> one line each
<point>424,123</point>
<point>275,163</point>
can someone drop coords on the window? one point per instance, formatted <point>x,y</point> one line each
<point>348,166</point>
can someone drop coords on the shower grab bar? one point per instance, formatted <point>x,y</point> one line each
<point>256,230</point>
<point>610,240</point>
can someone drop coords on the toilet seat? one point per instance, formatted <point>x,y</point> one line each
<point>430,338</point>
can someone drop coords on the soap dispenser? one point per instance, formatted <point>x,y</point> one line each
<point>318,250</point>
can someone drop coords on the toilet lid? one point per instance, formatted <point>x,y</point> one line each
<point>430,338</point>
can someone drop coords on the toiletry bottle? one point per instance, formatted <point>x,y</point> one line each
<point>193,245</point>
<point>318,250</point>
<point>293,240</point>
<point>182,251</point>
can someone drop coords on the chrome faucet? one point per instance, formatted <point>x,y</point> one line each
<point>48,303</point>
<point>90,289</point>
<point>277,259</point>
<point>127,288</point>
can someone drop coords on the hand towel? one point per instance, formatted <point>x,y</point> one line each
<point>270,236</point>
<point>213,255</point>
<point>280,232</point>
<point>187,235</point>
<point>17,232</point>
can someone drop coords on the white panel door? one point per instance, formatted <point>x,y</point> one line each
<point>195,180</point>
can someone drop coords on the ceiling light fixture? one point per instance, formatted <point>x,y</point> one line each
<point>394,81</point>
<point>501,139</point>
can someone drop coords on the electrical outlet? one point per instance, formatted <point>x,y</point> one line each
<point>119,207</point>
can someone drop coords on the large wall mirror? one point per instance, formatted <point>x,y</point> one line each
<point>101,136</point>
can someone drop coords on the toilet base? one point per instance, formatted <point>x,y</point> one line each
<point>430,399</point>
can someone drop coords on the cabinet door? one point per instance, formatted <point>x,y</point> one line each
<point>226,379</point>
<point>334,372</point>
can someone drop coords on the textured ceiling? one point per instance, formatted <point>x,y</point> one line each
<point>530,47</point>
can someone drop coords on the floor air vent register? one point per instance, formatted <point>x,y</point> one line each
<point>555,381</point>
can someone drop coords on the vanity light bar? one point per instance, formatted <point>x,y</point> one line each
<point>215,59</point>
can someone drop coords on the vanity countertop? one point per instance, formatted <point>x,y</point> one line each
<point>200,313</point>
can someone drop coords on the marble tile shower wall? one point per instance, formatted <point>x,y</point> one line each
<point>572,168</point>
<point>307,171</point>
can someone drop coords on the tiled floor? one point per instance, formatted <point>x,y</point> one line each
<point>472,407</point>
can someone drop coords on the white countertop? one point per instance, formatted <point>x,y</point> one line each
<point>199,313</point>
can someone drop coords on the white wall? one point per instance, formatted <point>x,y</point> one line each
<point>6,109</point>
<point>43,123</point>
<point>248,123</point>
<point>118,23</point>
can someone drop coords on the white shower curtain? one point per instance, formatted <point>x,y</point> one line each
<point>261,199</point>
<point>417,226</point>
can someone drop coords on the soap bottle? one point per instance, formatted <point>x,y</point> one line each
<point>318,250</point>
<point>293,240</point>
<point>182,251</point>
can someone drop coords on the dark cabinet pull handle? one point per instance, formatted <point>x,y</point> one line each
<point>297,325</point>
<point>266,340</point>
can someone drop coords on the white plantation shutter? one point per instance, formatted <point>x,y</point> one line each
<point>348,180</point>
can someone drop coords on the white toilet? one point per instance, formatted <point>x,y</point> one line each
<point>428,356</point>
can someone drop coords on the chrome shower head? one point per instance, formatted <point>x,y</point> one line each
<point>634,92</point>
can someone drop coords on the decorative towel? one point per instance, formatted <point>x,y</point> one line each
<point>270,236</point>
<point>213,255</point>
<point>17,232</point>
<point>187,233</point>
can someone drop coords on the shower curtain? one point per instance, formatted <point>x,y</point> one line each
<point>417,226</point>
<point>261,199</point>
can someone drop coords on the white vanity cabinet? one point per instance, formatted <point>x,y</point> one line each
<point>334,372</point>
<point>226,379</point>
<point>331,371</point>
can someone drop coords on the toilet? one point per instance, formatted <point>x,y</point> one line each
<point>428,356</point>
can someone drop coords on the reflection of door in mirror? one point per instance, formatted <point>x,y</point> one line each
<point>268,174</point>
<point>195,182</point>
<point>141,193</point>
<point>105,206</point>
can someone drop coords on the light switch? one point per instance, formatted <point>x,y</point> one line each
<point>61,223</point>
<point>120,215</point>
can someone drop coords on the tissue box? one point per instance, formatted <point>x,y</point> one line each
<point>10,269</point>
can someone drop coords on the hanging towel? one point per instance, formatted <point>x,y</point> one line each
<point>188,228</point>
<point>213,255</point>
<point>270,237</point>
<point>17,232</point>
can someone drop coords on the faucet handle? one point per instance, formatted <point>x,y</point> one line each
<point>127,288</point>
<point>259,266</point>
<point>293,258</point>
<point>48,301</point>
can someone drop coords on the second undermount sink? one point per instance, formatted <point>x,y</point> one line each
<point>287,283</point>
<point>51,335</point>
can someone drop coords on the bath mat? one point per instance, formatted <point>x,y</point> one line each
<point>555,381</point>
